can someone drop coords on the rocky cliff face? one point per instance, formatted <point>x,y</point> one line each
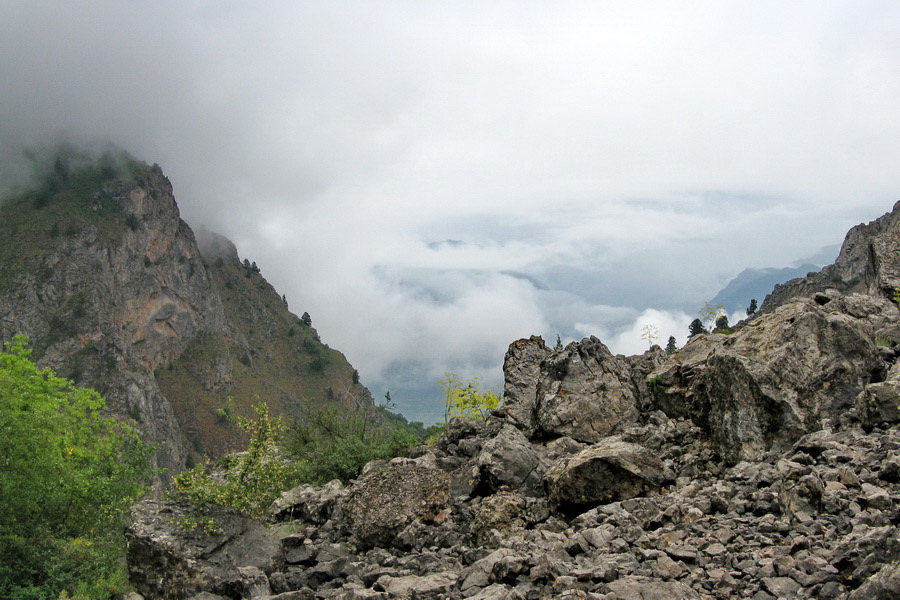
<point>763,464</point>
<point>99,270</point>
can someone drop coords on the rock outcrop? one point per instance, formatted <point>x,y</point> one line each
<point>761,464</point>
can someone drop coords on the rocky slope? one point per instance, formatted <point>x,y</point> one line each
<point>99,270</point>
<point>763,464</point>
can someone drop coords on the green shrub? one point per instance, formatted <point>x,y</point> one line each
<point>68,475</point>
<point>467,401</point>
<point>252,479</point>
<point>332,442</point>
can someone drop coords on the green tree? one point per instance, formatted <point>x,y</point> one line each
<point>672,345</point>
<point>709,313</point>
<point>467,400</point>
<point>68,475</point>
<point>335,442</point>
<point>722,324</point>
<point>751,310</point>
<point>559,344</point>
<point>696,328</point>
<point>306,319</point>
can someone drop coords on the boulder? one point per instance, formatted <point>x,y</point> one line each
<point>310,503</point>
<point>166,560</point>
<point>584,392</point>
<point>384,501</point>
<point>608,471</point>
<point>868,262</point>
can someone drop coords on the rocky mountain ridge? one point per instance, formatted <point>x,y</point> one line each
<point>762,464</point>
<point>110,284</point>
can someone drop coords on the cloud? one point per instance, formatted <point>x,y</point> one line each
<point>603,165</point>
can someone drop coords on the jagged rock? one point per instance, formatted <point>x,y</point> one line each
<point>311,503</point>
<point>785,373</point>
<point>521,371</point>
<point>883,585</point>
<point>412,586</point>
<point>383,502</point>
<point>608,471</point>
<point>584,392</point>
<point>166,561</point>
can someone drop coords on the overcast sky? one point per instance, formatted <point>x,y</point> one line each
<point>433,180</point>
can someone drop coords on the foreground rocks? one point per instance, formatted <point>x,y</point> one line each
<point>818,521</point>
<point>764,464</point>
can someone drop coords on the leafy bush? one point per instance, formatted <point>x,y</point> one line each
<point>252,479</point>
<point>68,475</point>
<point>467,401</point>
<point>333,442</point>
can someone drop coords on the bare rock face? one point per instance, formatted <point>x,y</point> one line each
<point>868,263</point>
<point>584,392</point>
<point>786,373</point>
<point>384,501</point>
<point>521,370</point>
<point>114,302</point>
<point>608,471</point>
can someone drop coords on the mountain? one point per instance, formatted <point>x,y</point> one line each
<point>763,463</point>
<point>757,283</point>
<point>116,292</point>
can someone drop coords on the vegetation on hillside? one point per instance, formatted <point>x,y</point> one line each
<point>68,475</point>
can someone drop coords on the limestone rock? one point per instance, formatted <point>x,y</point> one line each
<point>868,262</point>
<point>508,459</point>
<point>786,373</point>
<point>311,503</point>
<point>608,471</point>
<point>585,393</point>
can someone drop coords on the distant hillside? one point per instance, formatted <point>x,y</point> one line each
<point>99,270</point>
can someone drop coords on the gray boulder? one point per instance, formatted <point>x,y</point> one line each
<point>879,403</point>
<point>311,503</point>
<point>608,471</point>
<point>868,262</point>
<point>509,459</point>
<point>167,561</point>
<point>384,501</point>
